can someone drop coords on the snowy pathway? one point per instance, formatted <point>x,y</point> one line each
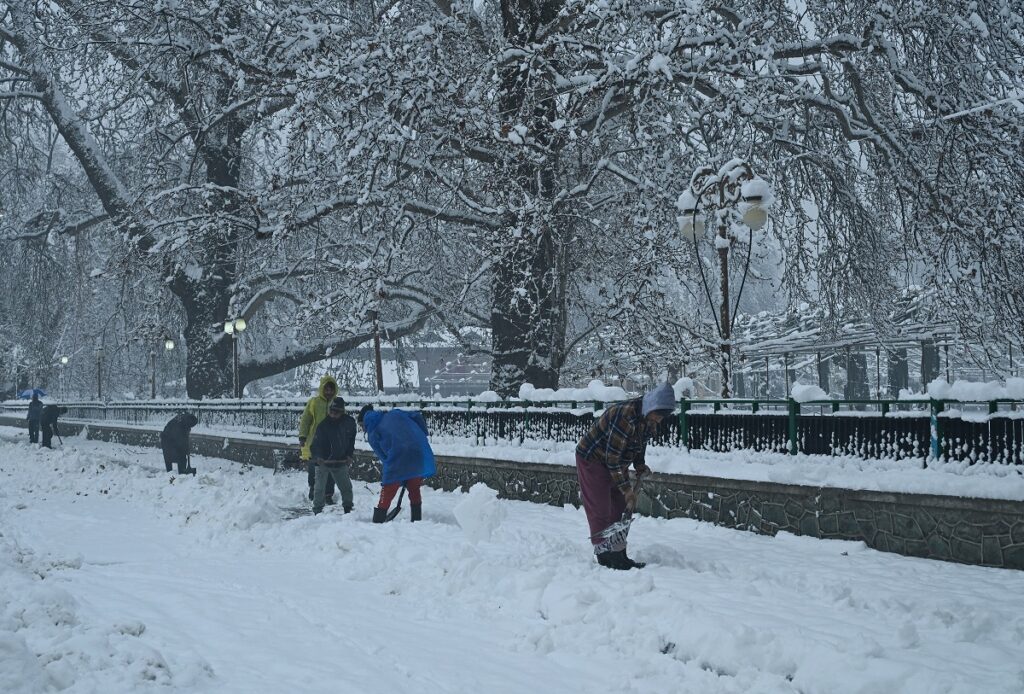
<point>113,579</point>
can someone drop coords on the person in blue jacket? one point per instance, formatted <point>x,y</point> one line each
<point>399,439</point>
<point>35,415</point>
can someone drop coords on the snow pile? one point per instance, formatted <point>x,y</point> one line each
<point>684,388</point>
<point>596,391</point>
<point>480,513</point>
<point>46,645</point>
<point>806,393</point>
<point>971,391</point>
<point>487,396</point>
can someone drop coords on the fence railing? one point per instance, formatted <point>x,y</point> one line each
<point>988,431</point>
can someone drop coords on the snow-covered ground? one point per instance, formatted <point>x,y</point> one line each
<point>114,578</point>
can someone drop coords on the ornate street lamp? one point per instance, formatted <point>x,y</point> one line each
<point>168,346</point>
<point>732,192</point>
<point>63,390</point>
<point>234,328</point>
<point>99,373</point>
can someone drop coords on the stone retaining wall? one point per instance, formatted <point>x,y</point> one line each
<point>986,532</point>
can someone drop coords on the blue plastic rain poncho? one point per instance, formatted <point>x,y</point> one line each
<point>399,439</point>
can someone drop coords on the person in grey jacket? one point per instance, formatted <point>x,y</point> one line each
<point>35,415</point>
<point>331,451</point>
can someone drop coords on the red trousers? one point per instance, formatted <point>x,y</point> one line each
<point>388,491</point>
<point>602,500</point>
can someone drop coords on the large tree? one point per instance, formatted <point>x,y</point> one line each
<point>515,163</point>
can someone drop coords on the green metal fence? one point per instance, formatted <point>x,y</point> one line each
<point>989,431</point>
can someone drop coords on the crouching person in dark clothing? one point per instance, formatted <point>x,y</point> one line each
<point>35,413</point>
<point>175,444</point>
<point>331,450</point>
<point>48,420</point>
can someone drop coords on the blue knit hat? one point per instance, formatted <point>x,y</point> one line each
<point>661,398</point>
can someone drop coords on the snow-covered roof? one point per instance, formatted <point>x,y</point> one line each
<point>804,329</point>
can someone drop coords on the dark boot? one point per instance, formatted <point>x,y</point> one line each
<point>613,560</point>
<point>416,512</point>
<point>310,492</point>
<point>630,563</point>
<point>329,500</point>
<point>347,508</point>
<point>379,514</point>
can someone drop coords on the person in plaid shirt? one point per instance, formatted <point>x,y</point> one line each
<point>603,458</point>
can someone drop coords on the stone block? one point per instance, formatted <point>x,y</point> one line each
<point>883,521</point>
<point>868,530</point>
<point>916,548</point>
<point>896,544</point>
<point>774,513</point>
<point>965,550</point>
<point>828,523</point>
<point>938,547</point>
<point>994,527</point>
<point>906,527</point>
<point>848,525</point>
<point>809,526</point>
<point>829,502</point>
<point>1017,533</point>
<point>926,521</point>
<point>991,552</point>
<point>967,531</point>
<point>1013,557</point>
<point>794,511</point>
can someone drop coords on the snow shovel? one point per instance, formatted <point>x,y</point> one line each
<point>620,528</point>
<point>398,507</point>
<point>57,433</point>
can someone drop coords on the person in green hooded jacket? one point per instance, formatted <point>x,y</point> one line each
<point>316,412</point>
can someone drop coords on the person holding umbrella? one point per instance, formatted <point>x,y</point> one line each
<point>35,415</point>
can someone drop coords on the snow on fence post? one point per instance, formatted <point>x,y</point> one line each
<point>469,422</point>
<point>936,431</point>
<point>794,413</point>
<point>684,424</point>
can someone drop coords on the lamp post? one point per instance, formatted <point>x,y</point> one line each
<point>63,389</point>
<point>168,346</point>
<point>730,194</point>
<point>234,328</point>
<point>99,373</point>
<point>378,365</point>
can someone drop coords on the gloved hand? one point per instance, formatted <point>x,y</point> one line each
<point>642,469</point>
<point>304,452</point>
<point>630,497</point>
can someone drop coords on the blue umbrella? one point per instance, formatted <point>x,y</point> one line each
<point>27,394</point>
